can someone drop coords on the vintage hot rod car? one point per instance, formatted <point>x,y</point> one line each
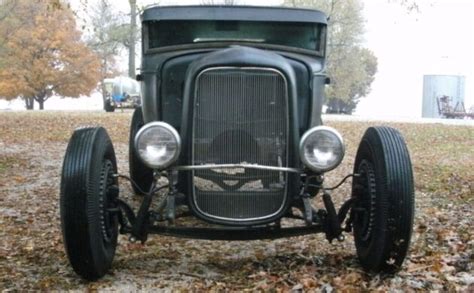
<point>231,117</point>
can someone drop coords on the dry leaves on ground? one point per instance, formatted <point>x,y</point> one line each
<point>32,256</point>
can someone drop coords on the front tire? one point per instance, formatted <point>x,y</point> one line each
<point>384,207</point>
<point>141,174</point>
<point>88,196</point>
<point>108,107</point>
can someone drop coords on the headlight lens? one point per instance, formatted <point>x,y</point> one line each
<point>321,148</point>
<point>158,144</point>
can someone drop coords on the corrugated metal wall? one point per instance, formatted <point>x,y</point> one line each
<point>435,86</point>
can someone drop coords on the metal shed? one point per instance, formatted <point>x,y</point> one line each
<point>436,86</point>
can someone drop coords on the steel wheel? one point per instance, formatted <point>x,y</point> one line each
<point>384,200</point>
<point>89,191</point>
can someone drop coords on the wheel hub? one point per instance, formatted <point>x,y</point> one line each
<point>107,203</point>
<point>365,205</point>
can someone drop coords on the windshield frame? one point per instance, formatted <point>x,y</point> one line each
<point>226,43</point>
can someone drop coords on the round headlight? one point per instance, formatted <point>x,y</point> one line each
<point>321,148</point>
<point>158,144</point>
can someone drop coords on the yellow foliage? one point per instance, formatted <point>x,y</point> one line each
<point>43,53</point>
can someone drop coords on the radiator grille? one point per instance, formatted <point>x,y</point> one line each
<point>240,117</point>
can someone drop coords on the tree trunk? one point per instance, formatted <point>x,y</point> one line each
<point>29,103</point>
<point>41,99</point>
<point>133,38</point>
<point>104,70</point>
<point>103,90</point>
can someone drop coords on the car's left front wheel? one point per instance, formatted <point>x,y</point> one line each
<point>88,208</point>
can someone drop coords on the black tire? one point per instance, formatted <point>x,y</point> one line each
<point>141,174</point>
<point>88,193</point>
<point>108,107</point>
<point>384,208</point>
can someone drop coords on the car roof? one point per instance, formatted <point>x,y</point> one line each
<point>233,13</point>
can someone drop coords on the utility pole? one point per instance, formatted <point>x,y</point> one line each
<point>132,38</point>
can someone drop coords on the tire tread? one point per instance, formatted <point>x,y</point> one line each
<point>395,199</point>
<point>79,204</point>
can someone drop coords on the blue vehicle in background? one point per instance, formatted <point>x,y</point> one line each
<point>121,92</point>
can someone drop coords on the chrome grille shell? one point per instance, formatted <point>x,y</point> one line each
<point>240,116</point>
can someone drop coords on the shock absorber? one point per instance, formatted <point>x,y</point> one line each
<point>333,226</point>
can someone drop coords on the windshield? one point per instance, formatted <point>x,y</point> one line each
<point>302,35</point>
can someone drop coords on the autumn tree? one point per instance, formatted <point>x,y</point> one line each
<point>350,66</point>
<point>7,25</point>
<point>125,25</point>
<point>44,56</point>
<point>107,38</point>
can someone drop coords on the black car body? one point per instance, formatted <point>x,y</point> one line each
<point>172,75</point>
<point>231,117</point>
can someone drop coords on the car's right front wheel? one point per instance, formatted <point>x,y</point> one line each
<point>384,200</point>
<point>88,202</point>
